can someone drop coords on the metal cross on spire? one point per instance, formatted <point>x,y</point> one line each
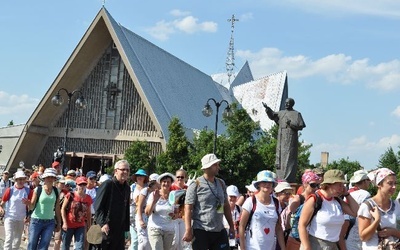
<point>230,59</point>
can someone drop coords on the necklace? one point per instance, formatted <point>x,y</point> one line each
<point>216,187</point>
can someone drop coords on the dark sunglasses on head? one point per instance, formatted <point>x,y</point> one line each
<point>180,177</point>
<point>314,185</point>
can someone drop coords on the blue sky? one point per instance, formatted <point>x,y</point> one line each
<point>341,57</point>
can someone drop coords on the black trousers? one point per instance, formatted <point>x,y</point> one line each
<point>205,240</point>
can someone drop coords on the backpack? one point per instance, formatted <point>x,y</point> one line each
<point>294,219</point>
<point>254,201</point>
<point>79,210</point>
<point>39,191</point>
<point>70,199</point>
<point>294,222</point>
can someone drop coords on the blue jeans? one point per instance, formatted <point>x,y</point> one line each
<point>134,238</point>
<point>79,236</point>
<point>43,230</point>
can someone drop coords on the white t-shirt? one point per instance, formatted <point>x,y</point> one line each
<point>353,240</point>
<point>92,193</point>
<point>261,234</point>
<point>4,185</point>
<point>328,221</point>
<point>389,218</point>
<point>161,218</point>
<point>134,194</point>
<point>15,209</point>
<point>144,216</point>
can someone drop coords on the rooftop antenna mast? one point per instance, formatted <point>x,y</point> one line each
<point>230,59</point>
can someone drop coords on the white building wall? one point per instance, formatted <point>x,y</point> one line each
<point>8,139</point>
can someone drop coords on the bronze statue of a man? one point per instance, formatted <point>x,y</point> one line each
<point>290,122</point>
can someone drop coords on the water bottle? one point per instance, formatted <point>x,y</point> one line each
<point>186,245</point>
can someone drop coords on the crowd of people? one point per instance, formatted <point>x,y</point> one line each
<point>165,211</point>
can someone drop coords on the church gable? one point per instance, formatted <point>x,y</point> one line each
<point>113,101</point>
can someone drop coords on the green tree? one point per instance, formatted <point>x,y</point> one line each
<point>177,153</point>
<point>138,156</point>
<point>11,123</point>
<point>348,167</point>
<point>390,160</point>
<point>237,148</point>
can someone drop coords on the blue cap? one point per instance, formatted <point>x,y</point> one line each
<point>91,174</point>
<point>141,172</point>
<point>70,183</point>
<point>265,176</point>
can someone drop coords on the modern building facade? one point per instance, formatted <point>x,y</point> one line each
<point>133,89</point>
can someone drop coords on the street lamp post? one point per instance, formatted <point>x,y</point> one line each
<point>80,103</point>
<point>207,111</point>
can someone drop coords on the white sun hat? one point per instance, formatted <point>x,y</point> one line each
<point>232,190</point>
<point>19,174</point>
<point>208,160</point>
<point>282,186</point>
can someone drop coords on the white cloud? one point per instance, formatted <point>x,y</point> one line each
<point>338,68</point>
<point>17,108</point>
<point>396,112</point>
<point>162,30</point>
<point>383,8</point>
<point>183,23</point>
<point>359,149</point>
<point>177,12</point>
<point>246,16</point>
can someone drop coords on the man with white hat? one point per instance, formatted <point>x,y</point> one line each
<point>206,203</point>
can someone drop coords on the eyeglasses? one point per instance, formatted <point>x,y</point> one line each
<point>124,169</point>
<point>287,193</point>
<point>82,184</point>
<point>314,185</point>
<point>180,177</point>
<point>92,178</point>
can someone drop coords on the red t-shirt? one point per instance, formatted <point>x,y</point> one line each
<point>80,207</point>
<point>176,187</point>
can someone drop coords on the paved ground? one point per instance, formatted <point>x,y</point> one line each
<point>24,244</point>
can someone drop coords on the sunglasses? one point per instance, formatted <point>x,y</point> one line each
<point>180,177</point>
<point>92,178</point>
<point>124,169</point>
<point>314,185</point>
<point>82,184</point>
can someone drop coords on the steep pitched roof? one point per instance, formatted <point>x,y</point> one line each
<point>171,86</point>
<point>272,90</point>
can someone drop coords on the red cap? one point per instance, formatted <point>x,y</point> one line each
<point>55,164</point>
<point>81,180</point>
<point>34,175</point>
